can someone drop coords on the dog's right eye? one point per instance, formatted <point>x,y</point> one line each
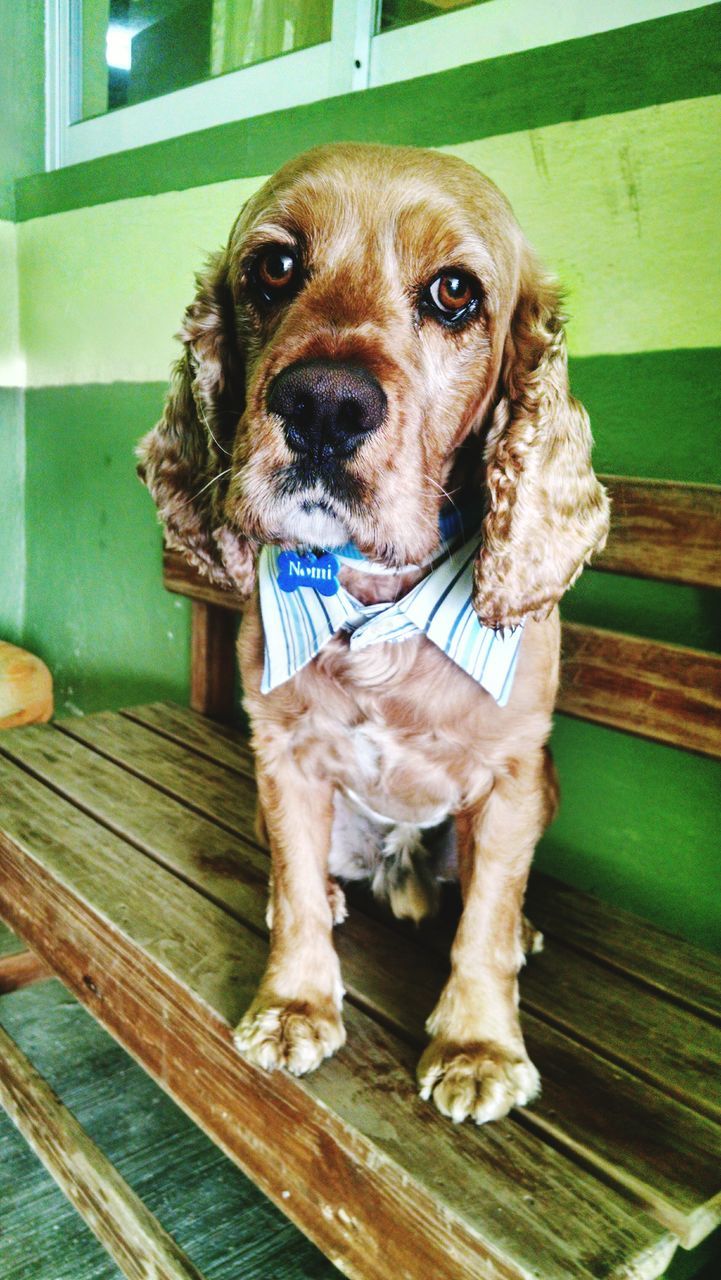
<point>276,272</point>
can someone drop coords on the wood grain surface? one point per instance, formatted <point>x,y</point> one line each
<point>670,532</point>
<point>212,661</point>
<point>659,691</point>
<point>21,969</point>
<point>395,1175</point>
<point>225,1224</point>
<point>112,1210</point>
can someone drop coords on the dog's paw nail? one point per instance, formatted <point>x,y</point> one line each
<point>480,1081</point>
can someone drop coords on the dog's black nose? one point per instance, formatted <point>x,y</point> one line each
<point>328,409</point>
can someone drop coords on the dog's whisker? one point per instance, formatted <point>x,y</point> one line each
<point>204,419</point>
<point>212,481</point>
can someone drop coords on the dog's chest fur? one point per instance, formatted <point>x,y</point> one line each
<point>405,737</point>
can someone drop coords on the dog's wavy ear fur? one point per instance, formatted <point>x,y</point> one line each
<point>185,458</point>
<point>546,512</point>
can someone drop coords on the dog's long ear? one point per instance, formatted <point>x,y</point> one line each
<point>185,459</point>
<point>546,512</point>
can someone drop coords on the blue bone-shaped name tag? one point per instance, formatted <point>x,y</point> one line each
<point>319,572</point>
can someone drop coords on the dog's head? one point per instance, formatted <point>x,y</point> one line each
<point>376,335</point>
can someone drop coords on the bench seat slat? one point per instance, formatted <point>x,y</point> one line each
<point>692,977</point>
<point>628,942</point>
<point>168,983</point>
<point>612,1133</point>
<point>660,691</point>
<point>683,1046</point>
<point>219,742</point>
<point>635,946</point>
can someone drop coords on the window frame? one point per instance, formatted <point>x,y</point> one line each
<point>352,60</point>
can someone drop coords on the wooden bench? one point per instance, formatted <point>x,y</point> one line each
<point>129,864</point>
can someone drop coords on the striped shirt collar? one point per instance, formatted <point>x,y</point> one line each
<point>298,624</point>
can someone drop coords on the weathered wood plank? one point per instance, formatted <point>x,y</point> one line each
<point>632,1133</point>
<point>226,797</point>
<point>684,1047</point>
<point>692,977</point>
<point>216,1214</point>
<point>219,742</point>
<point>20,970</point>
<point>212,661</point>
<point>653,690</point>
<point>119,1219</point>
<point>670,532</point>
<point>182,579</point>
<point>169,987</point>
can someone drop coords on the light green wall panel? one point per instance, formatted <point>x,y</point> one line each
<point>104,289</point>
<point>12,366</point>
<point>621,207</point>
<point>624,209</point>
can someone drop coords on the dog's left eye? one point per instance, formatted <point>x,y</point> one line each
<point>276,272</point>
<point>451,295</point>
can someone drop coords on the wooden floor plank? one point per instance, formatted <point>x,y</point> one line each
<point>217,1216</point>
<point>170,982</point>
<point>574,993</point>
<point>119,1219</point>
<point>612,1120</point>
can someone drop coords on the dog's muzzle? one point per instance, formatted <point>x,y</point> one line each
<point>327,409</point>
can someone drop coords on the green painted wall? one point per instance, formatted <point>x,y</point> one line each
<point>21,152</point>
<point>607,147</point>
<point>96,610</point>
<point>22,95</point>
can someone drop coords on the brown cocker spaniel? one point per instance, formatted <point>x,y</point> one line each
<point>377,339</point>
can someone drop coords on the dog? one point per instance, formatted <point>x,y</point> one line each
<point>375,351</point>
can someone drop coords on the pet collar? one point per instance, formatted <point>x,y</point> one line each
<point>300,621</point>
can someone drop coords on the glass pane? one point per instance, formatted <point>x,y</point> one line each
<point>127,51</point>
<point>399,13</point>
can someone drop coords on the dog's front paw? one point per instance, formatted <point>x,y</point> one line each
<point>482,1081</point>
<point>295,1034</point>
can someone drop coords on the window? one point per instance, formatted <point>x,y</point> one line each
<point>130,51</point>
<point>122,73</point>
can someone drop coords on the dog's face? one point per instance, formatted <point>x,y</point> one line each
<point>376,312</point>
<point>373,289</point>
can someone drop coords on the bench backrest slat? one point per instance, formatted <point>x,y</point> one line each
<point>661,530</point>
<point>654,690</point>
<point>670,532</point>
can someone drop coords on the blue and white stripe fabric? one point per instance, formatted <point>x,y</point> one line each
<point>298,624</point>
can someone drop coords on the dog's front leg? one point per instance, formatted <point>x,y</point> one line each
<point>294,1020</point>
<point>476,1064</point>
